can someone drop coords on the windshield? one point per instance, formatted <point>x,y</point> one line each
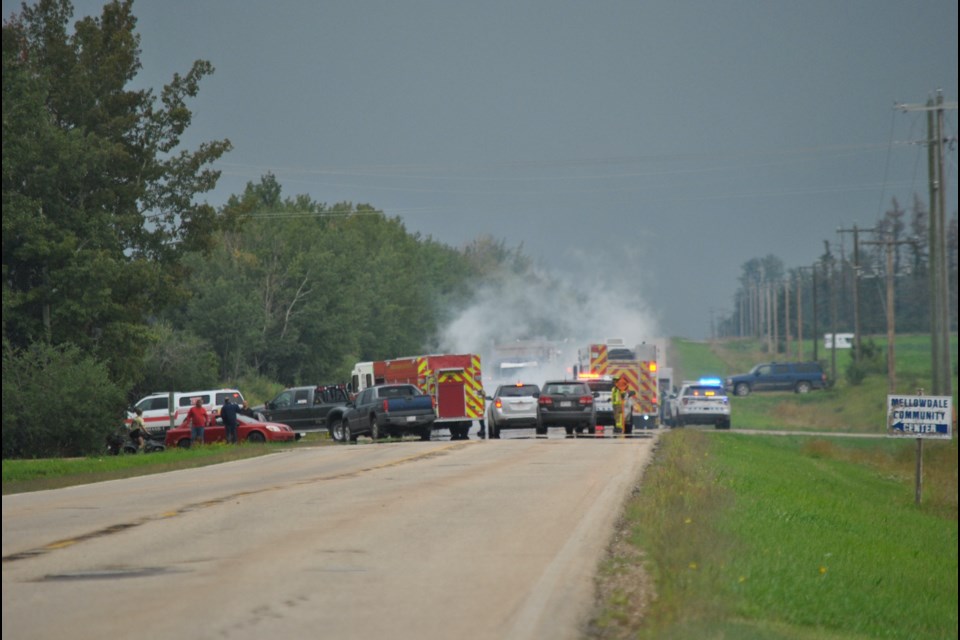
<point>514,391</point>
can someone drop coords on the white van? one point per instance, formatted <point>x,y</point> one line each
<point>157,411</point>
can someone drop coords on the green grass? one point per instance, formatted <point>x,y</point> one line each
<point>796,537</point>
<point>791,537</point>
<point>52,473</point>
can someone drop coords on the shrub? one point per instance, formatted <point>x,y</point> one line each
<point>57,402</point>
<point>871,362</point>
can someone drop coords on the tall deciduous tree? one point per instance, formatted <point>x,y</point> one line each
<point>99,202</point>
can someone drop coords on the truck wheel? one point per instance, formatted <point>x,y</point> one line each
<point>803,387</point>
<point>348,434</point>
<point>541,430</point>
<point>425,434</point>
<point>183,443</point>
<point>723,424</point>
<point>742,389</point>
<point>375,429</point>
<point>569,431</point>
<point>336,432</point>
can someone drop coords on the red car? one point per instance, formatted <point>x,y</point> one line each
<point>248,430</point>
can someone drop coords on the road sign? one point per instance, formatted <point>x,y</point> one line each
<point>920,417</point>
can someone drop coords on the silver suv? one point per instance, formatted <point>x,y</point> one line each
<point>512,406</point>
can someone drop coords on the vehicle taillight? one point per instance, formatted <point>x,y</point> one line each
<point>545,400</point>
<point>585,400</point>
<point>498,403</point>
<point>385,405</point>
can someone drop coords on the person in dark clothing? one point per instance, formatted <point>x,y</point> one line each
<point>228,414</point>
<point>247,410</point>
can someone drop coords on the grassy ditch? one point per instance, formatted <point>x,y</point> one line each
<point>53,473</point>
<point>785,538</point>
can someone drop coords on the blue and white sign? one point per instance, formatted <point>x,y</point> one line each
<point>920,417</point>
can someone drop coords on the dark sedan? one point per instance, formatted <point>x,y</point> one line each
<point>568,404</point>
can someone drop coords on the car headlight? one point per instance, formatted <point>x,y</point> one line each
<point>274,428</point>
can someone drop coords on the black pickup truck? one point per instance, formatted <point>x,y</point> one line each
<point>383,411</point>
<point>304,408</point>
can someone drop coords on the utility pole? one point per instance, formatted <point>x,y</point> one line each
<point>814,290</point>
<point>889,243</point>
<point>939,272</point>
<point>800,314</point>
<point>856,290</point>
<point>786,317</point>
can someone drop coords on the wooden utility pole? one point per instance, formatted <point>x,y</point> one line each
<point>856,290</point>
<point>814,290</point>
<point>889,243</point>
<point>941,353</point>
<point>786,317</point>
<point>800,314</point>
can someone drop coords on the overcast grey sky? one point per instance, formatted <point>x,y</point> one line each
<point>679,139</point>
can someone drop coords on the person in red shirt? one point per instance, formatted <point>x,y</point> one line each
<point>197,419</point>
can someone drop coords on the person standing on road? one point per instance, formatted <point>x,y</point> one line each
<point>228,413</point>
<point>616,397</point>
<point>197,419</point>
<point>628,406</point>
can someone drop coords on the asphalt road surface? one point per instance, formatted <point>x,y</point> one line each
<point>496,539</point>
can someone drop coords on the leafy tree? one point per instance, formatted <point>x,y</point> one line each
<point>177,360</point>
<point>98,201</point>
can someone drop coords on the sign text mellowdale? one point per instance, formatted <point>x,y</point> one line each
<point>920,416</point>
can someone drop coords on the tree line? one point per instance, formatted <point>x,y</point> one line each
<point>119,280</point>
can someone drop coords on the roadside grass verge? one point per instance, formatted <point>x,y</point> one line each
<point>54,473</point>
<point>786,538</point>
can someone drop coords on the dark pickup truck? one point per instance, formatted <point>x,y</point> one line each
<point>304,408</point>
<point>799,377</point>
<point>386,410</point>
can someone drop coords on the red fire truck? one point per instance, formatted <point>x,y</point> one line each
<point>637,370</point>
<point>453,380</point>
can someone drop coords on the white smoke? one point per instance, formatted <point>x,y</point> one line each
<point>569,309</point>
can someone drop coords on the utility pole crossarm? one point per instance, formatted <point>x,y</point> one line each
<point>926,107</point>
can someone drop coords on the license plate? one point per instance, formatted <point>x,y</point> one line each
<point>411,418</point>
<point>566,404</point>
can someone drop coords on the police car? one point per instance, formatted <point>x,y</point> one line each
<point>701,402</point>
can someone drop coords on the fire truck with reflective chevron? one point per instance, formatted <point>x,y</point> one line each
<point>635,366</point>
<point>453,380</point>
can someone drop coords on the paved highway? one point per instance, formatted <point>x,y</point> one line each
<point>404,540</point>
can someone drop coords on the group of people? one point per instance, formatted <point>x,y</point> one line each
<point>198,418</point>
